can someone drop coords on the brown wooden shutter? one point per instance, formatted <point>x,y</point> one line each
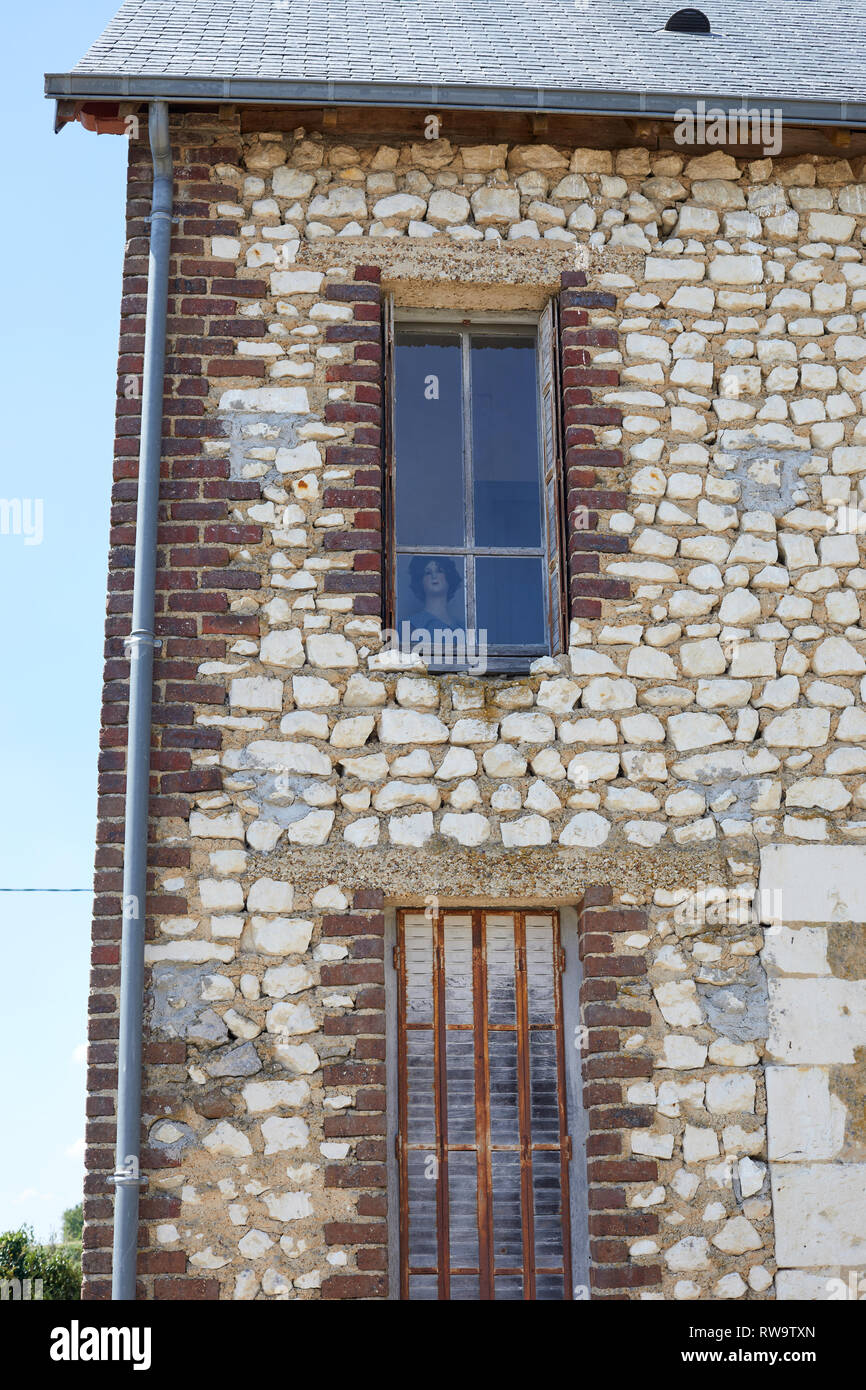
<point>552,463</point>
<point>389,578</point>
<point>483,1145</point>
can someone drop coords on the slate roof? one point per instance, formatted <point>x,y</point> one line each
<point>554,53</point>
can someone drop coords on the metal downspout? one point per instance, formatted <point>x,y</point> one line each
<point>140,648</point>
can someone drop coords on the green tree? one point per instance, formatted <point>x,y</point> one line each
<point>21,1258</point>
<point>73,1223</point>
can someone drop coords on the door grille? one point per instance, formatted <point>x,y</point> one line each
<point>482,1142</point>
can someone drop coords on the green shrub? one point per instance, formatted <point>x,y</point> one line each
<point>57,1267</point>
<point>73,1224</point>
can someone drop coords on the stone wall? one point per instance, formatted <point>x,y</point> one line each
<point>708,711</point>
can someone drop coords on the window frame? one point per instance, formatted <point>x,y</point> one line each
<point>577,1127</point>
<point>544,327</point>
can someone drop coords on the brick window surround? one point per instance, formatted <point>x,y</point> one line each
<point>590,471</point>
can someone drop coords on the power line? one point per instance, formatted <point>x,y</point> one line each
<point>46,890</point>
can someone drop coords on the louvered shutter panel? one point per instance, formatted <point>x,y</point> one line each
<point>389,602</point>
<point>553,465</point>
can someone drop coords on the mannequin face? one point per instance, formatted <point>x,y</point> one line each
<point>435,581</point>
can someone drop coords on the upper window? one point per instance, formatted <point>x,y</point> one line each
<point>474,541</point>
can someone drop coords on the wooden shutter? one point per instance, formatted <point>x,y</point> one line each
<point>389,578</point>
<point>553,467</point>
<point>483,1146</point>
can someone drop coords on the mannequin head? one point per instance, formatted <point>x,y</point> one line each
<point>433,578</point>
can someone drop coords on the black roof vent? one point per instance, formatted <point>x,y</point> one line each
<point>688,22</point>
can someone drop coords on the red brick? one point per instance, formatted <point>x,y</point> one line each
<point>631,1223</point>
<point>355,1175</point>
<point>186,1289</point>
<point>344,1286</point>
<point>625,1276</point>
<point>356,1233</point>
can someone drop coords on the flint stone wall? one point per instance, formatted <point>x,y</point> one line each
<point>707,716</point>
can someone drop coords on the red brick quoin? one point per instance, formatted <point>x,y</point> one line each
<point>364,415</point>
<point>588,486</point>
<point>607,1072</point>
<point>363,932</point>
<point>195,583</point>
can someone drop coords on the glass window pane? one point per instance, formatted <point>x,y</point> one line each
<point>549,1288</point>
<point>465,1288</point>
<point>547,1198</point>
<point>420,1087</point>
<point>544,1086</point>
<point>460,1063</point>
<point>539,969</point>
<point>507,1221</point>
<point>505,456</point>
<point>424,1288</point>
<point>463,1211</point>
<point>501,1006</point>
<point>428,444</point>
<point>431,594</point>
<point>421,1200</point>
<point>458,970</point>
<point>418,932</point>
<point>509,598</point>
<point>504,1120</point>
<point>508,1288</point>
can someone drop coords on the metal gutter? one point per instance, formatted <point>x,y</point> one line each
<point>465,97</point>
<point>140,647</point>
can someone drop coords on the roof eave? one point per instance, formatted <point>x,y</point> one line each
<point>475,97</point>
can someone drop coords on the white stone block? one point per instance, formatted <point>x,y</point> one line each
<point>587,830</point>
<point>795,951</point>
<point>820,1213</point>
<point>817,1021</point>
<point>527,831</point>
<point>737,1236</point>
<point>700,1144</point>
<point>692,1252</point>
<point>731,1093</point>
<point>282,648</point>
<point>227,1141</point>
<point>805,1121</point>
<point>407,726</point>
<point>818,883</point>
<point>279,936</point>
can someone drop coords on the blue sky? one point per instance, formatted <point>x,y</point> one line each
<point>61,294</point>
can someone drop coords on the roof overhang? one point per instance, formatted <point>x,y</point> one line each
<point>557,100</point>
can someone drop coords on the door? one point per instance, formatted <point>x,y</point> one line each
<point>482,1143</point>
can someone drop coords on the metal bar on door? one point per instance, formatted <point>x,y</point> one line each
<point>561,1095</point>
<point>524,1107</point>
<point>402,1106</point>
<point>443,1224</point>
<point>482,1106</point>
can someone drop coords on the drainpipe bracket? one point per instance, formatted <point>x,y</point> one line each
<point>141,639</point>
<point>151,216</point>
<point>125,1180</point>
<point>127,1173</point>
